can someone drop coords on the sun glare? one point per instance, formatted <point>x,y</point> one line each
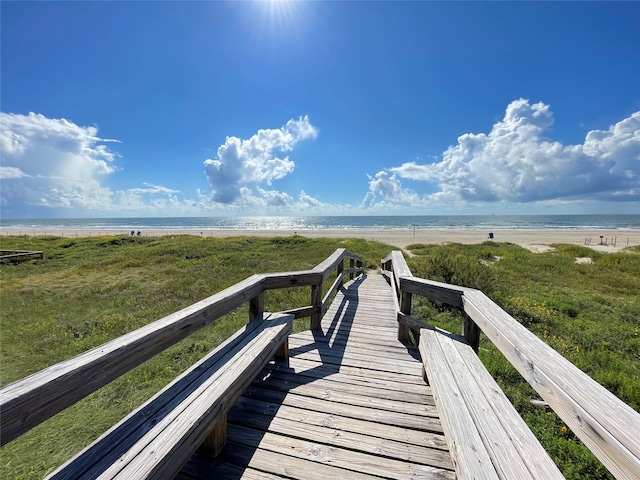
<point>282,19</point>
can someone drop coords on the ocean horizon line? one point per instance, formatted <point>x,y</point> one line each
<point>343,222</point>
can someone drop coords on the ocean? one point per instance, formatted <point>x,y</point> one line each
<point>400,222</point>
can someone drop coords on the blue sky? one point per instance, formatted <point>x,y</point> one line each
<point>312,108</point>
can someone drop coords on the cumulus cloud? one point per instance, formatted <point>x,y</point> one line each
<point>514,162</point>
<point>385,188</point>
<point>241,162</point>
<point>11,172</point>
<point>307,201</point>
<point>52,162</point>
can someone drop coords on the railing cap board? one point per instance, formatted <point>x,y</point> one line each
<point>292,279</point>
<point>607,425</point>
<point>400,267</point>
<point>31,400</point>
<point>327,266</point>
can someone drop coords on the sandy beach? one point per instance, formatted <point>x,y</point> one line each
<point>534,240</point>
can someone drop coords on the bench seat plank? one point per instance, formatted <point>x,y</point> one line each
<point>527,446</point>
<point>468,452</point>
<point>513,449</point>
<point>184,412</point>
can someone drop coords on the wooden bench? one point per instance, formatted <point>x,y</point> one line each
<point>486,435</point>
<point>158,438</point>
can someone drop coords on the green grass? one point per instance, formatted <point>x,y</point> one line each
<point>88,291</point>
<point>590,313</point>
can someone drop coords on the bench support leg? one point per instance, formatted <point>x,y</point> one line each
<point>283,351</point>
<point>213,444</point>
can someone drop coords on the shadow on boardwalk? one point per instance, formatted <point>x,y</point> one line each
<point>303,418</point>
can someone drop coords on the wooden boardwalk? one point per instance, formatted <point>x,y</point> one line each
<point>350,404</point>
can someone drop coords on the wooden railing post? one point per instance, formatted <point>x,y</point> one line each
<point>316,303</point>
<point>256,307</point>
<point>405,307</point>
<point>340,271</point>
<point>471,332</point>
<point>352,264</point>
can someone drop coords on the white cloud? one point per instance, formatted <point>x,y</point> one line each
<point>52,162</point>
<point>307,201</point>
<point>11,172</point>
<point>240,162</point>
<point>516,163</point>
<point>385,188</point>
<point>150,189</point>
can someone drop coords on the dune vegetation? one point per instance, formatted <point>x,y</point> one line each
<point>87,291</point>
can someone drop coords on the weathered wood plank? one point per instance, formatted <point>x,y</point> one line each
<point>405,368</point>
<point>110,446</point>
<point>292,381</point>
<point>32,400</point>
<point>469,454</point>
<point>341,335</point>
<point>507,438</point>
<point>303,278</point>
<point>19,255</point>
<point>441,292</point>
<point>201,467</point>
<point>168,444</point>
<point>372,351</point>
<point>260,414</point>
<point>396,260</point>
<point>327,266</point>
<point>365,437</point>
<point>370,362</point>
<point>429,422</point>
<point>525,445</point>
<point>607,426</point>
<point>272,463</point>
<point>302,366</point>
<point>329,455</point>
<point>313,370</point>
<point>337,283</point>
<point>346,394</point>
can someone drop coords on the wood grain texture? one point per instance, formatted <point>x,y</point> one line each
<point>441,292</point>
<point>122,439</point>
<point>34,399</point>
<point>174,438</point>
<point>514,451</point>
<point>351,403</point>
<point>469,453</point>
<point>606,425</point>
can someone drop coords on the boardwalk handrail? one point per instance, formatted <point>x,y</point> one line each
<point>18,255</point>
<point>36,398</point>
<point>605,424</point>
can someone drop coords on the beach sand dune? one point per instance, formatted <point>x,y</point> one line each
<point>534,240</point>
